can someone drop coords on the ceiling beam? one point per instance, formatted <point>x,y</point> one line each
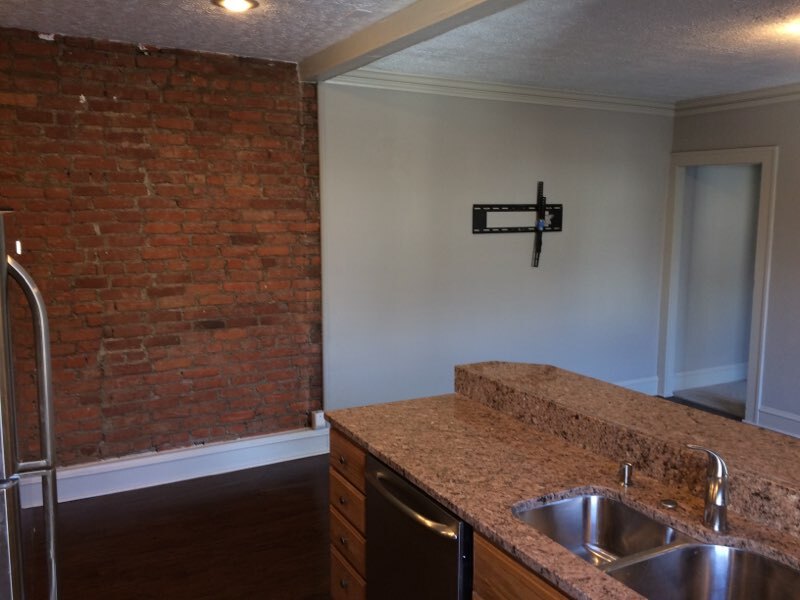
<point>411,25</point>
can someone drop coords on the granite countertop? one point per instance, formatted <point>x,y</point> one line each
<point>518,434</point>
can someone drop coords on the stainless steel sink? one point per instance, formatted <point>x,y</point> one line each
<point>655,560</point>
<point>708,572</point>
<point>599,529</point>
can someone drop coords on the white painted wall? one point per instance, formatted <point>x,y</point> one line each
<point>717,264</point>
<point>768,125</point>
<point>409,291</point>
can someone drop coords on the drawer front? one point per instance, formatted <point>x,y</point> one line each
<point>346,584</point>
<point>497,576</point>
<point>350,544</point>
<point>347,500</point>
<point>348,459</point>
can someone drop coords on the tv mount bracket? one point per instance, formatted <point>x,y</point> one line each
<point>549,217</point>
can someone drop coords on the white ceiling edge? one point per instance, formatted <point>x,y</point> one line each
<point>763,97</point>
<point>371,78</point>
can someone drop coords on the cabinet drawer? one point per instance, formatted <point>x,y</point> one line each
<point>346,584</point>
<point>497,576</point>
<point>347,500</point>
<point>348,542</point>
<point>348,459</point>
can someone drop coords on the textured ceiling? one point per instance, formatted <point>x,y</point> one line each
<point>284,30</point>
<point>663,50</point>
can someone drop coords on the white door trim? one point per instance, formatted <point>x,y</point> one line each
<point>767,158</point>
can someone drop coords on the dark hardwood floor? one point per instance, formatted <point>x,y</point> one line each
<point>259,533</point>
<point>703,407</point>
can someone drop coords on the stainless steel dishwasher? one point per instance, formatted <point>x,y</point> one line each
<point>415,547</point>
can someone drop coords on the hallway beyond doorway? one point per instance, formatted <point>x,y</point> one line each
<point>725,399</point>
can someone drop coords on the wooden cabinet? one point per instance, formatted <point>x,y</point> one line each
<point>349,501</point>
<point>497,576</point>
<point>346,584</point>
<point>349,542</point>
<point>347,516</point>
<point>348,459</point>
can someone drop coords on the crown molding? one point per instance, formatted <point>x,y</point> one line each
<point>371,78</point>
<point>763,97</point>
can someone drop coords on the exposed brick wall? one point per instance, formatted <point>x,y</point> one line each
<point>168,206</point>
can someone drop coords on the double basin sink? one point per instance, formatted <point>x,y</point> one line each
<point>655,560</point>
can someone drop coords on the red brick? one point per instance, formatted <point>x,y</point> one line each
<point>34,116</point>
<point>13,191</point>
<point>152,219</point>
<point>169,240</point>
<point>174,123</point>
<point>92,282</point>
<point>157,228</point>
<point>18,99</point>
<point>246,115</point>
<point>159,253</point>
<point>169,139</point>
<point>158,61</point>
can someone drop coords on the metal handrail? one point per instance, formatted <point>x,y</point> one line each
<point>43,366</point>
<point>45,466</point>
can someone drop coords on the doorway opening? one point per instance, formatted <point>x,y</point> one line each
<point>715,280</point>
<point>715,286</point>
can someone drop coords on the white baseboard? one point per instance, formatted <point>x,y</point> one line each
<point>713,376</point>
<point>779,420</point>
<point>645,385</point>
<point>157,468</point>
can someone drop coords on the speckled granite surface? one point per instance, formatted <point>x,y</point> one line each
<point>481,456</point>
<point>652,433</point>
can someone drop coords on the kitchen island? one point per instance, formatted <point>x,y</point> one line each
<point>514,435</point>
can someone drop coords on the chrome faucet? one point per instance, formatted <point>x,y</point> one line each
<point>715,514</point>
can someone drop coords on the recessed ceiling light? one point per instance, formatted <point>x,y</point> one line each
<point>791,27</point>
<point>236,5</point>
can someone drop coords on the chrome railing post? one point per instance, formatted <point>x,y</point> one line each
<point>11,579</point>
<point>45,466</point>
<point>8,413</point>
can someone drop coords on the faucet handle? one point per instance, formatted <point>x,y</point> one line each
<point>626,474</point>
<point>716,465</point>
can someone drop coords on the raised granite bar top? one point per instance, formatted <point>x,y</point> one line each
<point>518,434</point>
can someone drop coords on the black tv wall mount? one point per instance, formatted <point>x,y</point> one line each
<point>549,217</point>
